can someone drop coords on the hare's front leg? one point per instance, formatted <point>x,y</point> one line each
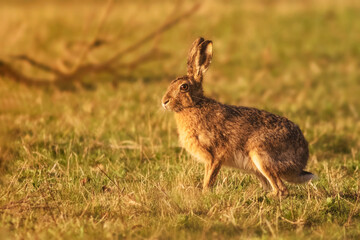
<point>207,168</point>
<point>211,171</point>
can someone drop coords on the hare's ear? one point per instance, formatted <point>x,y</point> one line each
<point>199,58</point>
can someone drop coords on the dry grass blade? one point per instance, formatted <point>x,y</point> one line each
<point>48,206</point>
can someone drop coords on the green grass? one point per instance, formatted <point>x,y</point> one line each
<point>103,162</point>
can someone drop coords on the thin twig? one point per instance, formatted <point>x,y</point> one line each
<point>166,26</point>
<point>120,190</point>
<point>92,43</point>
<point>141,59</point>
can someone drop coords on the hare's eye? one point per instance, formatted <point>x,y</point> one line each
<point>184,87</point>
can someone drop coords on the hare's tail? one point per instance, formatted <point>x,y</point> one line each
<point>303,177</point>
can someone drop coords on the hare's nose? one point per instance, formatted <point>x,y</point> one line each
<point>165,102</point>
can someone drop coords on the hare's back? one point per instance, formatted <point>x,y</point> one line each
<point>270,132</point>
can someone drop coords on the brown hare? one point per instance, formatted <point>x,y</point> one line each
<point>261,143</point>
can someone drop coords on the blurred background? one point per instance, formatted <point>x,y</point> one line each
<point>81,84</point>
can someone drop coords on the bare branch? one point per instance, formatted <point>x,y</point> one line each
<point>93,68</point>
<point>80,69</point>
<point>8,71</point>
<point>150,55</point>
<point>38,64</point>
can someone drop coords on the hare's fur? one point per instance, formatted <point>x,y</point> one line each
<point>258,142</point>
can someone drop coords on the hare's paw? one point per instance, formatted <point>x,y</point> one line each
<point>205,190</point>
<point>279,194</point>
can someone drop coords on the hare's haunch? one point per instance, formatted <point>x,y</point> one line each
<point>269,146</point>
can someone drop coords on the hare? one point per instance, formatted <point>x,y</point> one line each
<point>258,142</point>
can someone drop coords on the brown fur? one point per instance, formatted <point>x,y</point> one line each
<point>269,146</point>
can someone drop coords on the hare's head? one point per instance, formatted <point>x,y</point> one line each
<point>187,91</point>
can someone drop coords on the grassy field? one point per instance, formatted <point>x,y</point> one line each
<point>103,161</point>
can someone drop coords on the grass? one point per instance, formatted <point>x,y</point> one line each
<point>104,161</point>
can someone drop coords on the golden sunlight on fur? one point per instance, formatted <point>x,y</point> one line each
<point>255,141</point>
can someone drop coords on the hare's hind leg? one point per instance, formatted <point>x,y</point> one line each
<point>263,181</point>
<point>262,165</point>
